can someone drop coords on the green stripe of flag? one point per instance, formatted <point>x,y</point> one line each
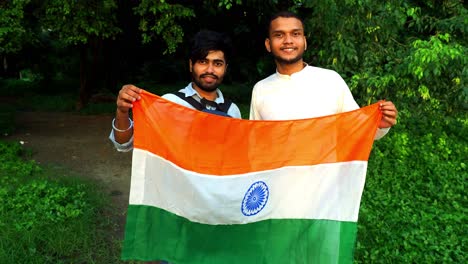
<point>153,233</point>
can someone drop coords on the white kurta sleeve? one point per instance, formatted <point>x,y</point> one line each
<point>254,108</point>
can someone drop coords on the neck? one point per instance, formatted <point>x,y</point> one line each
<point>204,94</point>
<point>289,69</point>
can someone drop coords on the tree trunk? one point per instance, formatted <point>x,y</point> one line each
<point>84,89</point>
<point>96,46</point>
<point>5,64</point>
<point>109,62</point>
<point>89,71</point>
<point>8,68</point>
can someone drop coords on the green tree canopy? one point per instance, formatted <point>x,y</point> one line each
<point>394,49</point>
<point>13,31</point>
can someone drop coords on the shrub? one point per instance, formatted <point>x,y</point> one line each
<point>46,218</point>
<point>414,204</point>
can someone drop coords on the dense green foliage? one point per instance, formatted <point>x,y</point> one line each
<point>13,31</point>
<point>411,51</point>
<point>162,19</point>
<point>79,21</point>
<point>414,206</point>
<point>46,218</point>
<point>405,51</point>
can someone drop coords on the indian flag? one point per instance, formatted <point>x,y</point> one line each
<point>212,189</point>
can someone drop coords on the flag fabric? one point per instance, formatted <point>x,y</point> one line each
<point>213,189</point>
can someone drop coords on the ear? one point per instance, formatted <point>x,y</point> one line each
<point>305,44</point>
<point>267,44</point>
<point>190,65</point>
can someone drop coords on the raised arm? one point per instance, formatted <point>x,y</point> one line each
<point>122,124</point>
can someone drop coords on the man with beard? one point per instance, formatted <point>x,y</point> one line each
<point>209,57</point>
<point>297,90</point>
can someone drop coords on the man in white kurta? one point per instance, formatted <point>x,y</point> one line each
<point>311,92</point>
<point>297,90</point>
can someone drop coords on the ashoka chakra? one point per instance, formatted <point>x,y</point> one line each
<point>255,199</point>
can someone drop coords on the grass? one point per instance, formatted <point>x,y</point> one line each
<point>50,216</point>
<point>52,103</point>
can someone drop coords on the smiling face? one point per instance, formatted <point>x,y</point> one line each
<point>286,40</point>
<point>208,73</point>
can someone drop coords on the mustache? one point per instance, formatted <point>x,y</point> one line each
<point>209,75</point>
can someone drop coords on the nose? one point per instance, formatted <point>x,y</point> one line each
<point>287,38</point>
<point>210,68</point>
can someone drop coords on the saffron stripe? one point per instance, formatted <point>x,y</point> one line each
<point>216,145</point>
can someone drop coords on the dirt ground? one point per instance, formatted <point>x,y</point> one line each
<point>80,145</point>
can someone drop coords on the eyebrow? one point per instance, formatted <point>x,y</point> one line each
<point>283,31</point>
<point>214,60</point>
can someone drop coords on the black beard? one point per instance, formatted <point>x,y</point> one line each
<point>280,60</point>
<point>206,89</point>
<point>287,61</point>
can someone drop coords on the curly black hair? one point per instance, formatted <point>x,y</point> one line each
<point>207,40</point>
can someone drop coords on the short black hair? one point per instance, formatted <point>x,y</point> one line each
<point>286,14</point>
<point>207,40</point>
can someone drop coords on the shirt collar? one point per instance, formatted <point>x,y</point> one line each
<point>189,91</point>
<point>285,76</point>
